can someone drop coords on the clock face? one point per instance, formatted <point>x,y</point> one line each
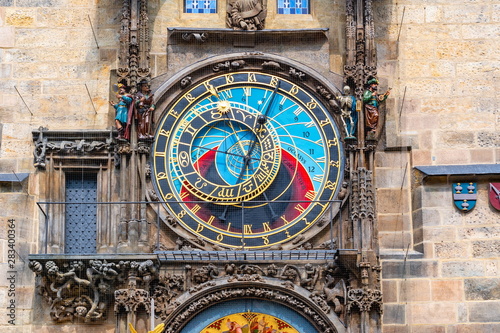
<point>247,159</point>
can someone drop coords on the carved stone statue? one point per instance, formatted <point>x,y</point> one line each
<point>348,112</point>
<point>144,107</point>
<point>122,110</point>
<point>372,100</point>
<point>245,14</point>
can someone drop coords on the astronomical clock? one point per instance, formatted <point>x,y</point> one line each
<point>247,157</point>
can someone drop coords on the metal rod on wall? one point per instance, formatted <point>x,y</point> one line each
<point>23,100</point>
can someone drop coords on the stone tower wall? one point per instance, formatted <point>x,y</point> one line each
<point>440,266</point>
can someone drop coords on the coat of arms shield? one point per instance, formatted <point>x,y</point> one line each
<point>494,194</point>
<point>465,196</point>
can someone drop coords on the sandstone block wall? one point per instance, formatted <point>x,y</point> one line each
<point>439,265</point>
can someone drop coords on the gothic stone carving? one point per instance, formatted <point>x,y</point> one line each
<point>324,283</point>
<point>282,297</point>
<point>83,288</point>
<point>47,142</point>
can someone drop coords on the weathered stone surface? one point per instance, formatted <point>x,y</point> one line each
<point>451,250</point>
<point>463,315</point>
<point>40,3</point>
<point>394,314</point>
<point>41,38</point>
<point>480,233</point>
<point>392,177</point>
<point>422,157</point>
<point>484,311</point>
<point>390,291</point>
<point>462,268</point>
<point>7,37</point>
<point>6,3</point>
<point>482,156</point>
<point>488,139</point>
<point>455,139</point>
<point>396,329</point>
<point>392,201</point>
<point>435,196</point>
<point>409,269</point>
<point>21,17</point>
<point>473,13</point>
<point>415,290</point>
<point>394,222</point>
<point>429,329</point>
<point>433,313</point>
<point>447,290</point>
<point>440,234</point>
<point>452,156</point>
<point>475,328</point>
<point>482,289</point>
<point>486,249</point>
<point>394,240</point>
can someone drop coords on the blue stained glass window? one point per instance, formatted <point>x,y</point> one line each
<point>200,6</point>
<point>293,6</point>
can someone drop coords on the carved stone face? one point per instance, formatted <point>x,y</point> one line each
<point>81,311</point>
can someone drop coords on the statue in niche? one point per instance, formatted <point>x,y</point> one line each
<point>348,111</point>
<point>122,108</point>
<point>245,15</point>
<point>144,111</point>
<point>371,101</point>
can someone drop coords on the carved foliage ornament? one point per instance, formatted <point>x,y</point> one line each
<point>324,283</point>
<point>197,305</point>
<point>78,289</point>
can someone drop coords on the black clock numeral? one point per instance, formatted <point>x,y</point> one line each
<point>311,168</point>
<point>306,134</point>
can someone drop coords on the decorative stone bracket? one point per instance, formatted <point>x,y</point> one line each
<point>82,288</point>
<point>70,144</point>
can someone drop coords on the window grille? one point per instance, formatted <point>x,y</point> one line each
<point>200,6</point>
<point>293,6</point>
<point>81,213</point>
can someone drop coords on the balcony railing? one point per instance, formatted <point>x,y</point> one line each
<point>111,215</point>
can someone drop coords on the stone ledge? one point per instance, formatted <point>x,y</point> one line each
<point>240,38</point>
<point>456,170</point>
<point>400,255</point>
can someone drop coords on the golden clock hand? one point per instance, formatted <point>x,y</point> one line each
<point>238,139</point>
<point>221,151</point>
<point>268,105</point>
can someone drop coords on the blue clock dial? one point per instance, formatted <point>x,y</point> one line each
<point>247,159</point>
